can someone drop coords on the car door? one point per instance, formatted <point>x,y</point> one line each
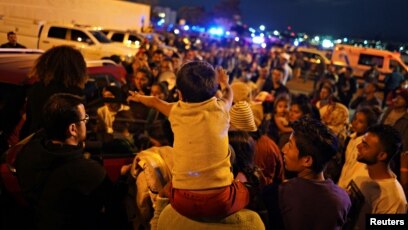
<point>55,36</point>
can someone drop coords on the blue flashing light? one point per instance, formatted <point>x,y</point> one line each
<point>216,31</point>
<point>186,27</point>
<point>258,40</point>
<point>296,43</point>
<point>262,27</point>
<point>160,22</point>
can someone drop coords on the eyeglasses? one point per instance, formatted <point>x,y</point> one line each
<point>86,119</point>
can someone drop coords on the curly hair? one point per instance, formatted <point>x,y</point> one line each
<point>62,64</point>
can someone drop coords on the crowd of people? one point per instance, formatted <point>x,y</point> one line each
<point>247,151</point>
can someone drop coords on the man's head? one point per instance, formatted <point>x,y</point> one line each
<point>370,88</point>
<point>196,81</point>
<point>277,75</point>
<point>349,71</point>
<point>310,146</point>
<point>379,145</point>
<point>401,99</point>
<point>158,56</point>
<point>65,119</point>
<point>12,37</point>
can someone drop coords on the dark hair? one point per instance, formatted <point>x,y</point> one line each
<point>62,64</point>
<point>389,138</point>
<point>281,97</point>
<point>306,107</point>
<point>175,55</point>
<point>163,87</point>
<point>123,120</point>
<point>244,148</point>
<point>370,114</point>
<point>59,112</point>
<point>158,51</point>
<point>349,69</point>
<point>10,33</point>
<point>149,76</point>
<point>329,86</point>
<point>196,81</point>
<point>116,92</point>
<point>314,139</point>
<point>280,69</point>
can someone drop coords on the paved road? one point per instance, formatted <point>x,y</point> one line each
<point>299,86</point>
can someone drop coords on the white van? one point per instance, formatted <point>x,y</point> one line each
<point>361,59</point>
<point>36,34</point>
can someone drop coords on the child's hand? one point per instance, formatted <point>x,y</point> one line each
<point>222,77</point>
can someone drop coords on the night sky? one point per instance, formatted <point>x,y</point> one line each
<point>366,19</point>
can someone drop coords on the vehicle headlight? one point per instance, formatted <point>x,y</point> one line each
<point>128,58</point>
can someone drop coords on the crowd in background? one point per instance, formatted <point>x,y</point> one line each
<point>265,113</point>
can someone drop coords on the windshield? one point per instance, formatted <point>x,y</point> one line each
<point>100,36</point>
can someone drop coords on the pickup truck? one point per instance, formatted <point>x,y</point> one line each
<point>92,43</point>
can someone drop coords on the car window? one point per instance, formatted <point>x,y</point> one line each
<point>134,38</point>
<point>79,36</point>
<point>395,63</point>
<point>100,36</point>
<point>57,32</point>
<point>369,60</point>
<point>117,37</point>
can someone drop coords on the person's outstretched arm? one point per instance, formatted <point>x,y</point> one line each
<point>226,90</point>
<point>151,101</point>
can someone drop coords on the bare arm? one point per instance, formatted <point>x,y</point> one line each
<point>150,101</point>
<point>281,127</point>
<point>226,90</point>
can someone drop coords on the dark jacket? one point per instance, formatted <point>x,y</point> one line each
<point>65,190</point>
<point>11,45</point>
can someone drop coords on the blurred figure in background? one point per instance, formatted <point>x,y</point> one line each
<point>61,69</point>
<point>113,104</point>
<point>12,41</point>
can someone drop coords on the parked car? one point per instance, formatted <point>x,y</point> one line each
<point>137,40</point>
<point>314,61</point>
<point>37,34</point>
<point>15,65</point>
<point>128,38</point>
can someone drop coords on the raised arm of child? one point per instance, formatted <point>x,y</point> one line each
<point>151,101</point>
<point>284,128</point>
<point>227,95</point>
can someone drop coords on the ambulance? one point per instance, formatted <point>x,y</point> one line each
<point>362,59</point>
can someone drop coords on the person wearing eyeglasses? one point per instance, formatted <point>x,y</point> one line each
<point>65,190</point>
